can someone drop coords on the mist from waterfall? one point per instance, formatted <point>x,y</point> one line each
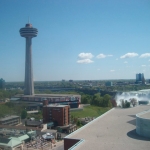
<point>142,95</point>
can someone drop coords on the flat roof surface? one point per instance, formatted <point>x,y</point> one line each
<point>34,122</point>
<point>116,130</point>
<point>146,115</point>
<point>48,95</point>
<point>19,127</point>
<point>9,117</point>
<point>55,105</point>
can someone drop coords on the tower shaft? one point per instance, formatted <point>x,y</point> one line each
<point>28,32</point>
<point>29,85</point>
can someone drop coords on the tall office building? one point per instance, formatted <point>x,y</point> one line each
<point>108,83</point>
<point>140,78</point>
<point>28,32</point>
<point>2,83</point>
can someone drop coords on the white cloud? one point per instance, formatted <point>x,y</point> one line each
<point>129,55</point>
<point>145,55</point>
<point>85,56</point>
<point>125,62</point>
<point>112,70</point>
<point>84,61</point>
<point>98,69</point>
<point>116,58</point>
<point>99,56</point>
<point>149,60</point>
<point>143,65</point>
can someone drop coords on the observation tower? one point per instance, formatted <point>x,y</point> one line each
<point>28,32</point>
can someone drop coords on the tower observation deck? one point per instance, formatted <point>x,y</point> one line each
<point>28,32</point>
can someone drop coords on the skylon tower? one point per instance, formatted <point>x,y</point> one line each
<point>28,32</point>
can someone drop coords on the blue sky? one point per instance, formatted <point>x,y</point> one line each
<point>77,39</point>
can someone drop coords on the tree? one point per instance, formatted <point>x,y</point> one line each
<point>5,110</point>
<point>122,103</point>
<point>96,100</point>
<point>79,123</point>
<point>106,101</point>
<point>85,99</point>
<point>133,101</point>
<point>10,104</point>
<point>113,102</point>
<point>127,104</point>
<point>23,114</point>
<point>101,101</point>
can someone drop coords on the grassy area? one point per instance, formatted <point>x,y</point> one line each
<point>90,111</point>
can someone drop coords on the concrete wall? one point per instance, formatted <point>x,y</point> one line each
<point>143,124</point>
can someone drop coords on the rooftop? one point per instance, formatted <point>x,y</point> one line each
<point>5,127</point>
<point>145,114</point>
<point>34,123</point>
<point>55,105</point>
<point>9,117</point>
<point>48,95</point>
<point>9,142</point>
<point>113,130</point>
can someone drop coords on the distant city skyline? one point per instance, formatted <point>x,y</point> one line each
<point>78,40</point>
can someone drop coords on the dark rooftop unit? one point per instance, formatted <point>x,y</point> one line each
<point>34,123</point>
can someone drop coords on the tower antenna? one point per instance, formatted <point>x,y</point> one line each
<point>28,20</point>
